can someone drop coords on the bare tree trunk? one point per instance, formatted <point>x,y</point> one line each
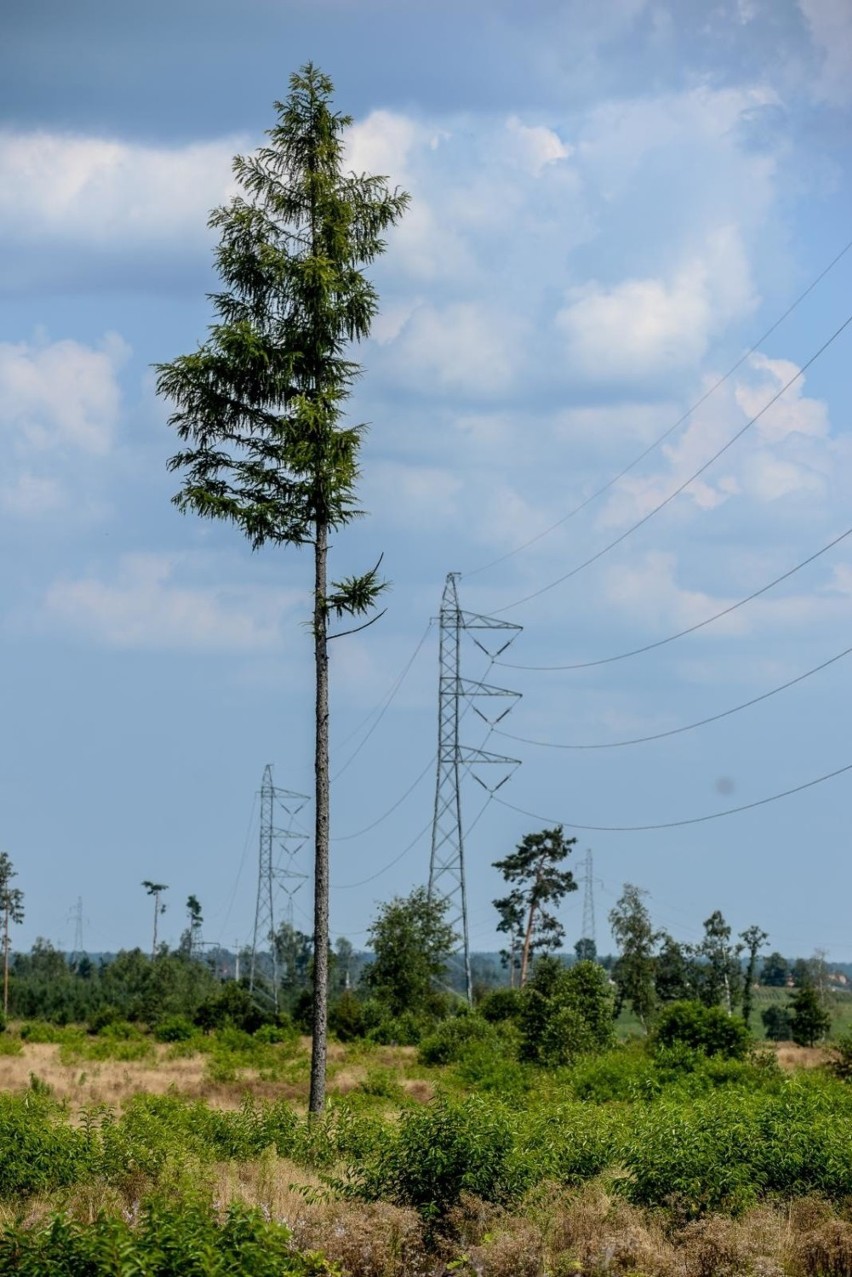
<point>6,962</point>
<point>320,1002</point>
<point>156,912</point>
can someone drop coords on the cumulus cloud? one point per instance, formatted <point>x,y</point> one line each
<point>98,191</point>
<point>61,394</point>
<point>147,607</point>
<point>789,451</point>
<point>642,327</point>
<point>464,348</point>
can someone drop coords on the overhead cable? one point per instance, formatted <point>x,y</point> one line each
<point>690,629</point>
<point>677,824</point>
<point>670,431</point>
<point>688,727</point>
<point>681,486</point>
<point>390,810</point>
<point>383,706</point>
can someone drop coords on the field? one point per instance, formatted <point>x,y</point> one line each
<point>625,1162</point>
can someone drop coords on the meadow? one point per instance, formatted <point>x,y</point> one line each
<point>197,1155</point>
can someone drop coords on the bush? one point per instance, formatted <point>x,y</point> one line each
<point>189,1239</point>
<point>102,1018</point>
<point>701,1028</point>
<point>437,1153</point>
<point>565,1012</point>
<point>2,1021</point>
<point>176,1028</point>
<point>233,1005</point>
<point>346,1017</point>
<point>448,1043</point>
<point>500,1005</point>
<point>39,1151</point>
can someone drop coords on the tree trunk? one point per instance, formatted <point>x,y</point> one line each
<point>6,962</point>
<point>320,1001</point>
<point>525,955</point>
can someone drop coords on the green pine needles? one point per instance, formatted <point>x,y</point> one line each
<point>259,407</point>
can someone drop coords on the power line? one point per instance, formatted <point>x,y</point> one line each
<point>690,629</point>
<point>346,886</point>
<point>677,824</point>
<point>383,706</point>
<point>675,731</point>
<point>666,433</point>
<point>411,788</point>
<point>681,486</point>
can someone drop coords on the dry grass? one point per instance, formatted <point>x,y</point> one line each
<point>590,1232</point>
<point>791,1057</point>
<point>112,1082</point>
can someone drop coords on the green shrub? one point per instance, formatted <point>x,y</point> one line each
<point>175,1028</point>
<point>102,1018</point>
<point>41,1031</point>
<point>2,1021</point>
<point>700,1028</point>
<point>39,1151</point>
<point>232,1006</point>
<point>565,1012</point>
<point>189,1239</point>
<point>626,1073</point>
<point>283,1032</point>
<point>438,1152</point>
<point>500,1005</point>
<point>450,1039</point>
<point>346,1017</point>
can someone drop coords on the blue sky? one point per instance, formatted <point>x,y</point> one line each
<point>610,205</point>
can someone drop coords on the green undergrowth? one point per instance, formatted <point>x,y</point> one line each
<point>675,1130</point>
<point>190,1239</point>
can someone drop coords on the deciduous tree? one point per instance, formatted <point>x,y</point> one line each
<point>634,934</point>
<point>411,942</point>
<point>259,405</point>
<point>12,909</point>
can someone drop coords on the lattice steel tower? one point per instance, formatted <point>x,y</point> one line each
<point>276,873</point>
<point>447,863</point>
<point>589,899</point>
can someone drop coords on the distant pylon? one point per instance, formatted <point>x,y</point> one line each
<point>447,862</point>
<point>76,916</point>
<point>270,873</point>
<point>589,899</point>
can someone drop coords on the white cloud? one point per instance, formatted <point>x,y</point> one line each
<point>97,191</point>
<point>60,395</point>
<point>642,327</point>
<point>29,495</point>
<point>145,607</point>
<point>464,348</point>
<point>60,407</point>
<point>789,451</point>
<point>534,146</point>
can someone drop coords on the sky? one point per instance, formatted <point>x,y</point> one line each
<point>627,222</point>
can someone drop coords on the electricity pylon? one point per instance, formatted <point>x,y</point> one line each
<point>275,844</point>
<point>455,760</point>
<point>588,933</point>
